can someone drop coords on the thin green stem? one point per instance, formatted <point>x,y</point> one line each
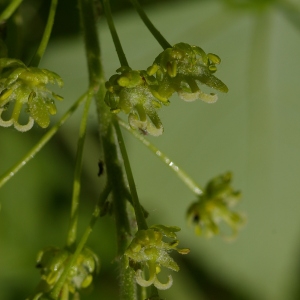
<point>114,34</point>
<point>78,166</point>
<point>37,147</point>
<point>10,9</point>
<point>59,284</point>
<point>141,222</point>
<point>179,171</point>
<point>158,36</point>
<point>47,32</point>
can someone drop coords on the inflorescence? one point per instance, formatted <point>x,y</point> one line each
<point>178,69</point>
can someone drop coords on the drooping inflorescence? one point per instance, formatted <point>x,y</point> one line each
<point>178,69</point>
<point>26,88</point>
<point>148,249</point>
<point>214,206</point>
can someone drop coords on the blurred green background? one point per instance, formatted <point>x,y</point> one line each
<point>253,131</point>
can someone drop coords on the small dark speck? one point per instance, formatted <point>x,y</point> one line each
<point>101,168</point>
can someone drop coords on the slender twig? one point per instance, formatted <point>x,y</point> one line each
<point>37,147</point>
<point>45,39</point>
<point>78,166</point>
<point>158,36</point>
<point>114,34</point>
<point>179,171</point>
<point>10,9</point>
<point>141,222</point>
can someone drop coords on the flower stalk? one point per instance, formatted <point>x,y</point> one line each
<point>78,166</point>
<point>158,36</point>
<point>114,34</point>
<point>46,36</point>
<point>141,222</point>
<point>10,9</point>
<point>192,185</point>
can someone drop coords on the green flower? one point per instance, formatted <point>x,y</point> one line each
<point>52,262</point>
<point>27,86</point>
<point>148,249</point>
<point>214,206</point>
<point>133,93</point>
<point>180,69</point>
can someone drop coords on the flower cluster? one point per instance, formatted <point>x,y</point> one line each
<point>148,249</point>
<point>214,206</point>
<point>178,69</point>
<point>132,92</point>
<point>26,86</point>
<point>52,262</point>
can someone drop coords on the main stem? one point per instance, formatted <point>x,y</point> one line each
<point>110,148</point>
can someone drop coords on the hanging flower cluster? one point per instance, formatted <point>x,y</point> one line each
<point>178,69</point>
<point>27,86</point>
<point>148,249</point>
<point>214,206</point>
<point>52,262</point>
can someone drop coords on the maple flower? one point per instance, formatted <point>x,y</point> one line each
<point>131,91</point>
<point>181,68</point>
<point>214,206</point>
<point>24,85</point>
<point>148,249</point>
